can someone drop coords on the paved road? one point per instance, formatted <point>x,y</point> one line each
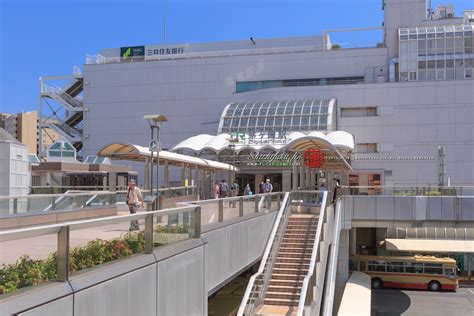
<point>405,302</point>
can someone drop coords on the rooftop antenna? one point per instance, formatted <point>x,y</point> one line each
<point>430,10</point>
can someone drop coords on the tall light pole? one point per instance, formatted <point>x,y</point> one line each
<point>155,121</point>
<point>232,143</point>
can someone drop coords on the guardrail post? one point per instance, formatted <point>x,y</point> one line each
<point>197,222</point>
<point>269,200</point>
<point>221,210</point>
<point>53,203</point>
<point>241,206</point>
<point>279,200</point>
<point>149,234</point>
<point>62,257</point>
<point>15,205</point>
<point>256,203</point>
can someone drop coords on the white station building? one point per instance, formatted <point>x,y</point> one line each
<point>406,101</point>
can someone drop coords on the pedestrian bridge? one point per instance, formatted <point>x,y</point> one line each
<point>191,251</point>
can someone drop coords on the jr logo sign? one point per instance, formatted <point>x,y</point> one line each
<point>313,158</point>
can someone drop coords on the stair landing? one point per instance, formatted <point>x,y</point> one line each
<point>275,310</point>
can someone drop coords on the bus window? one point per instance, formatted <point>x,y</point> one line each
<point>352,265</point>
<point>395,266</point>
<point>450,272</point>
<point>376,266</point>
<point>433,268</point>
<point>414,267</point>
<point>362,266</point>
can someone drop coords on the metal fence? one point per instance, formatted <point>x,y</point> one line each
<point>77,200</point>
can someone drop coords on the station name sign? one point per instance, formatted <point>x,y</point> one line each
<point>261,138</point>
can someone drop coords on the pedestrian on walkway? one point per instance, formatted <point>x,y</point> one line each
<point>217,190</point>
<point>268,188</point>
<point>247,190</point>
<point>133,200</point>
<point>224,189</point>
<point>335,189</point>
<point>260,188</point>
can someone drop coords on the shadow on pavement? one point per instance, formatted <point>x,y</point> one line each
<point>389,302</point>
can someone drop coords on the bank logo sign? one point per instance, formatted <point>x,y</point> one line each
<point>132,51</point>
<point>156,51</point>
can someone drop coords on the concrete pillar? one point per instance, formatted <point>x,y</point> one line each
<point>313,185</point>
<point>353,241</point>
<point>308,178</point>
<point>166,175</point>
<point>342,274</point>
<point>183,173</point>
<point>302,175</point>
<point>146,174</point>
<point>113,181</point>
<point>294,177</point>
<point>286,180</point>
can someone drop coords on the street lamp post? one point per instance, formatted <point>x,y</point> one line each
<point>155,121</point>
<point>232,145</point>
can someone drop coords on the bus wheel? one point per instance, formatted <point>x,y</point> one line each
<point>377,283</point>
<point>434,286</point>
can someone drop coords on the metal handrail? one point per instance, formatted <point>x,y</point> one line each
<point>331,283</point>
<point>314,252</point>
<point>82,193</point>
<point>251,285</point>
<point>89,223</point>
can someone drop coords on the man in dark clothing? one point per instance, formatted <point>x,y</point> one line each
<point>335,190</point>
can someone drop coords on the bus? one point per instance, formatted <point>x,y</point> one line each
<point>410,272</point>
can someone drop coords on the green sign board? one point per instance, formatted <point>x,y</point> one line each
<point>132,51</point>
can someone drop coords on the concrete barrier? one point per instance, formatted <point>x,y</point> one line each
<point>356,299</point>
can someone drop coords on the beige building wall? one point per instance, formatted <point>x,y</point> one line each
<point>27,130</point>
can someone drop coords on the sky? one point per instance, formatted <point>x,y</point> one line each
<point>49,37</point>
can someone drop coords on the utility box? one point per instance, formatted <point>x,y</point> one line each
<point>150,201</point>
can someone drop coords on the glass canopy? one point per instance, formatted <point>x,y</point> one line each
<point>290,115</point>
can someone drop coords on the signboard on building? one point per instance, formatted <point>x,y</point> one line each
<point>313,158</point>
<point>156,51</point>
<point>261,138</point>
<point>132,51</point>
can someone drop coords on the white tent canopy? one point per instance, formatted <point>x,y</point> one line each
<point>338,140</point>
<point>126,151</point>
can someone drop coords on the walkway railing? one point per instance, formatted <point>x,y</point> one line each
<point>408,190</point>
<point>79,199</point>
<point>63,232</point>
<point>256,288</point>
<point>160,227</point>
<point>309,282</point>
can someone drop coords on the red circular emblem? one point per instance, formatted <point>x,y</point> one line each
<point>313,158</point>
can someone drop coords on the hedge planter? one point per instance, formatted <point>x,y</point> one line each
<point>168,238</point>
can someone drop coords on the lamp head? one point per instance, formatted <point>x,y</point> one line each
<point>155,119</point>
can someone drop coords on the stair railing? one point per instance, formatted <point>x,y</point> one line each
<point>310,276</point>
<point>256,289</point>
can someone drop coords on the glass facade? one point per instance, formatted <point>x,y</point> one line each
<point>292,115</point>
<point>436,53</point>
<point>245,86</point>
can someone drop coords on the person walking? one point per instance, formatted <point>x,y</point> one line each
<point>267,188</point>
<point>247,190</point>
<point>235,188</point>
<point>260,188</point>
<point>133,200</point>
<point>224,189</point>
<point>336,187</point>
<point>217,190</point>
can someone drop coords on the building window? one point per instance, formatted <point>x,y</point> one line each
<point>35,181</point>
<point>366,148</point>
<point>359,112</point>
<point>245,86</point>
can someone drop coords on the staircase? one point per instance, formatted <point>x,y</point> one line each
<point>291,266</point>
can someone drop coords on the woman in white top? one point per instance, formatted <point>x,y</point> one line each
<point>134,199</point>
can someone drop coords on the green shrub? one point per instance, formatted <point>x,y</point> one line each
<point>27,271</point>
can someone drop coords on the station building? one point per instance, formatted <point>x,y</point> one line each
<point>402,107</point>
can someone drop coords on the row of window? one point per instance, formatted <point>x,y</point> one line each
<point>401,267</point>
<point>246,86</point>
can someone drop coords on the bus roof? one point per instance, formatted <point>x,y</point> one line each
<point>416,258</point>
